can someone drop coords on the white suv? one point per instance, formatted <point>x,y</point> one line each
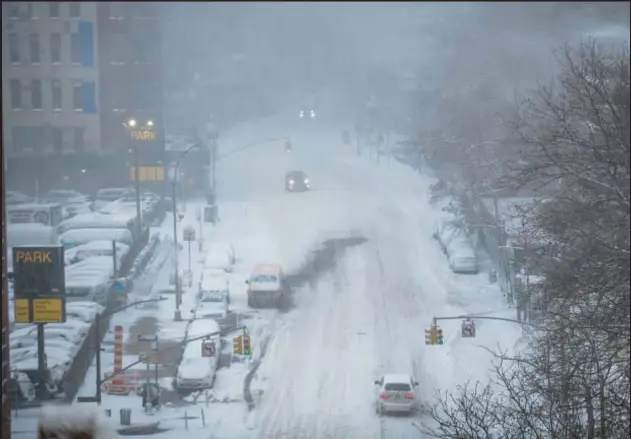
<point>396,394</point>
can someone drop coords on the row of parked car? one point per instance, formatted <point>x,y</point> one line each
<point>97,236</point>
<point>62,342</point>
<point>455,242</point>
<point>210,315</point>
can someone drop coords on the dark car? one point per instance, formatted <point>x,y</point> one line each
<point>297,181</point>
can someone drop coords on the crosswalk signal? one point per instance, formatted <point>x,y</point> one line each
<point>246,345</point>
<point>429,336</point>
<point>237,345</point>
<point>439,335</point>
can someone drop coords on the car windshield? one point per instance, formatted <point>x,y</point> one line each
<point>296,175</point>
<point>397,387</point>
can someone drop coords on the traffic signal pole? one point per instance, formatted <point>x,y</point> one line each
<point>477,317</point>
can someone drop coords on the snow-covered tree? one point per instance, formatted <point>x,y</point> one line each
<point>573,381</point>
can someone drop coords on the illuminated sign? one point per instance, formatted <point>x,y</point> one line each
<point>147,173</point>
<point>143,135</point>
<point>38,271</point>
<point>39,284</point>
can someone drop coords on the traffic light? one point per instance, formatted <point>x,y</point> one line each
<point>246,345</point>
<point>429,336</point>
<point>237,345</point>
<point>439,335</point>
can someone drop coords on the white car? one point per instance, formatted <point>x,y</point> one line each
<point>195,371</point>
<point>212,305</point>
<point>219,257</point>
<point>307,114</point>
<point>462,257</point>
<point>396,393</point>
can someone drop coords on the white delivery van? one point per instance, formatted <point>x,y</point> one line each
<point>266,286</point>
<point>195,371</point>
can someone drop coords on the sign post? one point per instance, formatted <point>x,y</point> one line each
<point>39,289</point>
<point>189,236</point>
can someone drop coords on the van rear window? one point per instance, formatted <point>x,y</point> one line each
<point>264,278</point>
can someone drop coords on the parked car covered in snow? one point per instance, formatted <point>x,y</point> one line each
<point>219,257</point>
<point>75,237</point>
<point>462,256</point>
<point>196,372</point>
<point>95,248</point>
<point>212,305</point>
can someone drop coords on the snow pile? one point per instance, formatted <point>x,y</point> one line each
<point>72,421</point>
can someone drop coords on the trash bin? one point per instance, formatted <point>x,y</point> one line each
<point>125,415</point>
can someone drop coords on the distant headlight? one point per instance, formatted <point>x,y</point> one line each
<point>291,182</point>
<point>312,114</point>
<point>307,181</point>
<point>301,114</point>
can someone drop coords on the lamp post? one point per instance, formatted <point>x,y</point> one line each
<point>178,287</point>
<point>131,125</point>
<point>97,334</point>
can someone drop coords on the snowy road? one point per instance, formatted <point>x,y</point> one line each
<point>365,318</point>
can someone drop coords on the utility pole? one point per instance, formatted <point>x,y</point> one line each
<point>6,364</point>
<point>137,188</point>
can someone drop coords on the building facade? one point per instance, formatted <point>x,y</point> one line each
<point>49,78</point>
<point>129,52</point>
<point>72,74</point>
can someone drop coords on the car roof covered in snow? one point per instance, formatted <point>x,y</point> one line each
<point>214,283</point>
<point>267,269</point>
<point>396,378</point>
<point>201,327</point>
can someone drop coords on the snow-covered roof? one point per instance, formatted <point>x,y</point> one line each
<point>214,284</point>
<point>83,236</point>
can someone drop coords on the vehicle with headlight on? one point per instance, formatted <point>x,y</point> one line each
<point>297,181</point>
<point>307,113</point>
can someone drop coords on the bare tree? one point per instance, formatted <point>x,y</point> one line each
<point>572,137</point>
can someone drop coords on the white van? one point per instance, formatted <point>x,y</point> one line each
<point>266,286</point>
<point>197,372</point>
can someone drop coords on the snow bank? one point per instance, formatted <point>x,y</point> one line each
<point>73,421</point>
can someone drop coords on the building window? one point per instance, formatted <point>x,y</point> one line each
<point>75,48</point>
<point>58,139</point>
<point>77,96</point>
<point>37,138</point>
<point>16,94</point>
<point>75,10</point>
<point>36,94</point>
<point>14,47</point>
<point>117,10</point>
<point>118,49</point>
<point>31,10</point>
<point>34,48</point>
<point>53,9</point>
<point>14,10</point>
<point>55,48</point>
<point>21,137</point>
<point>79,139</point>
<point>56,95</point>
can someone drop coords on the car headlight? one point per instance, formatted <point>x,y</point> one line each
<point>301,114</point>
<point>291,182</point>
<point>312,114</point>
<point>307,181</point>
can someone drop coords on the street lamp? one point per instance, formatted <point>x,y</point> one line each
<point>97,334</point>
<point>178,289</point>
<point>131,124</point>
